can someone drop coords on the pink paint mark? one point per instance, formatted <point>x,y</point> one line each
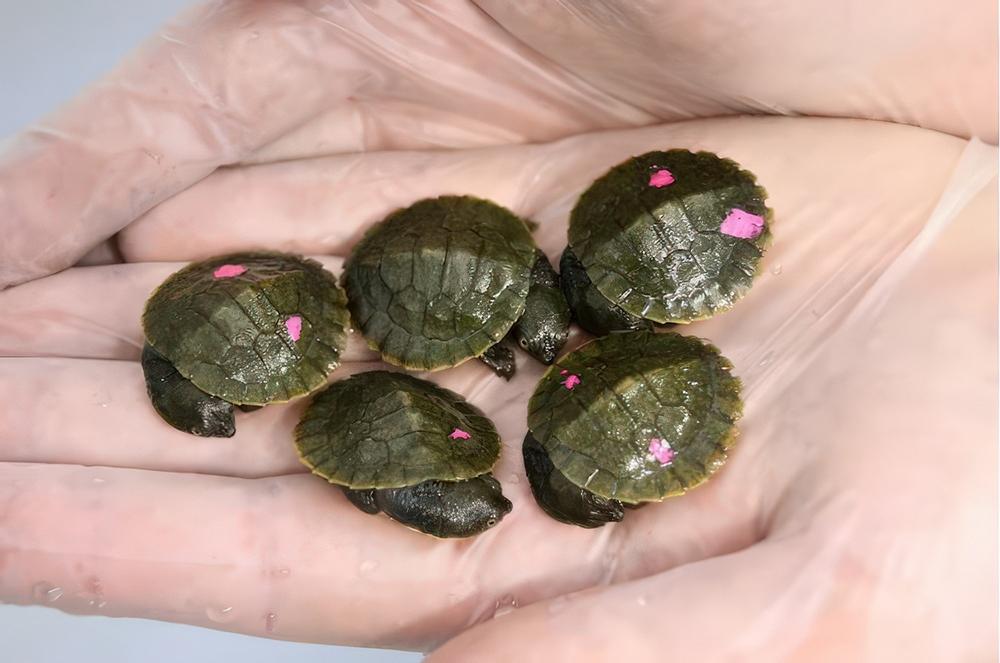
<point>742,224</point>
<point>661,178</point>
<point>563,372</point>
<point>228,271</point>
<point>661,451</point>
<point>571,381</point>
<point>294,327</point>
<point>459,434</point>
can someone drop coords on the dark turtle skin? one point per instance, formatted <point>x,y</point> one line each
<point>671,237</point>
<point>500,358</point>
<point>444,280</point>
<point>445,509</point>
<point>592,310</point>
<point>561,498</point>
<point>634,417</point>
<point>180,403</point>
<point>405,447</point>
<point>543,328</point>
<point>244,330</point>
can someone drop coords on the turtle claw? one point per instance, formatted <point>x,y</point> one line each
<point>500,358</point>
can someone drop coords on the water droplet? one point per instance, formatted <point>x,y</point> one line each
<point>99,480</point>
<point>504,605</point>
<point>46,592</point>
<point>101,603</point>
<point>368,567</point>
<point>254,34</point>
<point>284,572</point>
<point>558,604</point>
<point>269,621</point>
<point>766,359</point>
<point>155,156</point>
<point>641,601</point>
<point>220,615</point>
<point>776,269</point>
<point>590,478</point>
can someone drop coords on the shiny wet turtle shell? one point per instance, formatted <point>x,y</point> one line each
<point>389,430</point>
<point>251,328</point>
<point>672,236</point>
<point>440,281</point>
<point>637,416</point>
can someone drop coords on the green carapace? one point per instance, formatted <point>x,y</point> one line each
<point>405,447</point>
<point>244,329</point>
<point>629,418</point>
<point>446,279</point>
<point>665,237</point>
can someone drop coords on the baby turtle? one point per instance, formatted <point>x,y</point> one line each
<point>629,418</point>
<point>664,237</point>
<point>446,279</point>
<point>408,448</point>
<point>244,329</point>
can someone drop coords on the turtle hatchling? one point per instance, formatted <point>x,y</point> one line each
<point>408,448</point>
<point>626,419</point>
<point>665,237</point>
<point>447,279</point>
<point>245,330</point>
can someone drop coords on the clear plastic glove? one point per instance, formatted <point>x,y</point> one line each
<point>856,518</point>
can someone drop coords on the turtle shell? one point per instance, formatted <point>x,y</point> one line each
<point>672,236</point>
<point>250,328</point>
<point>440,281</point>
<point>637,416</point>
<point>389,430</point>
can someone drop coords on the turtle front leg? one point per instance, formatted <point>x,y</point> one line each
<point>561,498</point>
<point>181,404</point>
<point>500,358</point>
<point>592,310</point>
<point>363,499</point>
<point>543,328</point>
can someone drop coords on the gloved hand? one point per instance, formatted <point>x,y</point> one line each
<point>855,519</point>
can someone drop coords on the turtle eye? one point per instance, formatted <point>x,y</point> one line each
<point>491,522</point>
<point>523,342</point>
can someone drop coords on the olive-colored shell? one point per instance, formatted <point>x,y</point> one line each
<point>440,281</point>
<point>655,247</point>
<point>599,410</point>
<point>388,430</point>
<point>231,333</point>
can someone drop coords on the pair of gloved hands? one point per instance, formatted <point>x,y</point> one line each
<point>855,519</point>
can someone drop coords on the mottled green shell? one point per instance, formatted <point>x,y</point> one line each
<point>388,430</point>
<point>440,281</point>
<point>230,335</point>
<point>658,252</point>
<point>633,387</point>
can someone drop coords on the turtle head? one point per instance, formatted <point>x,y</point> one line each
<point>541,337</point>
<point>543,328</point>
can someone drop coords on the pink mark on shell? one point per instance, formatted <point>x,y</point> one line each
<point>228,271</point>
<point>661,451</point>
<point>661,178</point>
<point>563,372</point>
<point>459,434</point>
<point>571,381</point>
<point>744,225</point>
<point>294,327</point>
